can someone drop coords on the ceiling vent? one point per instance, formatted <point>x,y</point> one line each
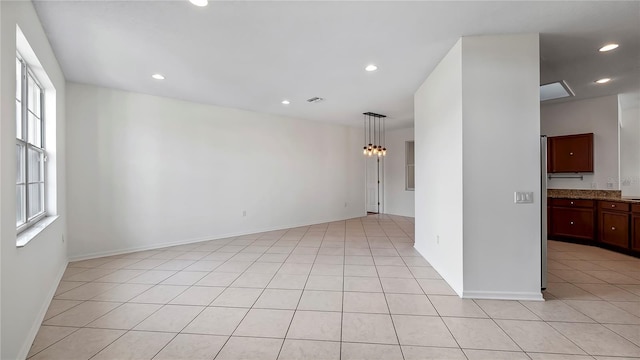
<point>315,99</point>
<point>555,90</point>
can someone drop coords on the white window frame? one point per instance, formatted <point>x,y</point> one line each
<point>23,155</point>
<point>409,165</point>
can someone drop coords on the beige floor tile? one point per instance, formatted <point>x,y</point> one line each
<point>357,351</point>
<point>504,309</point>
<point>543,356</point>
<point>86,291</point>
<point>287,281</point>
<point>198,295</point>
<point>82,344</point>
<point>90,275</point>
<point>394,272</point>
<point>629,306</point>
<point>135,345</point>
<point>329,259</point>
<point>400,286</point>
<point>159,294</point>
<point>265,268</point>
<point>612,277</point>
<point>495,355</point>
<point>245,348</point>
<point>170,318</point>
<point>481,334</point>
<point>59,306</point>
<point>327,269</point>
<point>454,306</point>
<point>122,275</point>
<point>360,270</point>
<point>309,350</point>
<point>410,304</point>
<point>423,331</point>
<point>436,287</point>
<point>216,321</point>
<point>192,347</point>
<point>82,314</point>
<point>576,277</point>
<point>609,292</point>
<point>265,323</point>
<point>555,310</point>
<point>596,339</point>
<point>358,260</point>
<point>65,286</point>
<point>416,260</point>
<point>629,332</point>
<point>603,312</point>
<point>185,278</point>
<point>388,260</point>
<point>301,259</point>
<point>273,258</point>
<point>321,300</point>
<point>369,328</point>
<point>424,272</point>
<point>315,325</point>
<point>432,353</point>
<point>358,283</point>
<point>568,291</point>
<point>174,264</point>
<point>203,265</point>
<point>538,336</point>
<point>252,280</point>
<point>152,277</point>
<point>146,264</point>
<point>218,279</point>
<point>363,302</point>
<point>122,292</point>
<point>278,299</point>
<point>47,336</point>
<point>125,317</point>
<point>237,297</point>
<point>295,269</point>
<point>320,282</point>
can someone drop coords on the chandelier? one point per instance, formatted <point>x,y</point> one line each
<point>374,134</point>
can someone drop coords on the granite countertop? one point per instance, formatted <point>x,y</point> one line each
<point>609,195</point>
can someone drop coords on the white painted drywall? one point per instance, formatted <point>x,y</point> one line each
<point>397,200</point>
<point>438,152</point>
<point>629,113</point>
<point>501,155</point>
<point>29,274</point>
<point>598,116</point>
<point>477,129</point>
<point>147,171</point>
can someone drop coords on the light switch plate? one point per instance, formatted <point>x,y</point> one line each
<point>523,197</point>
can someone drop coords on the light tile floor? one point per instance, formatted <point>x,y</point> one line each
<point>346,290</point>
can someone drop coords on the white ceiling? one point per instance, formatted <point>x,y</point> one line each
<point>252,55</point>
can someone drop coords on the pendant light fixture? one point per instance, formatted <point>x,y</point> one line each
<point>374,134</point>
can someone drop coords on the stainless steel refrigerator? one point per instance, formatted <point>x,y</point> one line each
<point>543,210</point>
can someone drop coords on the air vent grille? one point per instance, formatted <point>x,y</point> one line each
<point>315,99</point>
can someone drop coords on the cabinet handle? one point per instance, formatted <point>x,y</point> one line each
<point>613,228</point>
<point>572,203</point>
<point>570,154</point>
<point>613,205</point>
<point>571,222</point>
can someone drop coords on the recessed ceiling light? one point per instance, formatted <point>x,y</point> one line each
<point>609,47</point>
<point>371,68</point>
<point>286,102</point>
<point>555,90</point>
<point>603,81</point>
<point>158,76</point>
<point>199,2</point>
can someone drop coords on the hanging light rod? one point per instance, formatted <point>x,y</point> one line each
<point>374,115</point>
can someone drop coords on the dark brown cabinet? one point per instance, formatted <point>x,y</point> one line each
<point>614,223</point>
<point>570,153</point>
<point>635,227</point>
<point>572,218</point>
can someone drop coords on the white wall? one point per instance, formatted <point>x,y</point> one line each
<point>501,155</point>
<point>438,152</point>
<point>29,274</point>
<point>147,171</point>
<point>598,116</point>
<point>477,128</point>
<point>397,200</point>
<point>629,116</point>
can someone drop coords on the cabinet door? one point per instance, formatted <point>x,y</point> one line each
<point>614,228</point>
<point>635,232</point>
<point>575,223</point>
<point>571,153</point>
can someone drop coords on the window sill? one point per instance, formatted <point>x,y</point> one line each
<point>32,232</point>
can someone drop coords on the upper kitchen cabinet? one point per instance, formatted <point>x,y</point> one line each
<point>570,153</point>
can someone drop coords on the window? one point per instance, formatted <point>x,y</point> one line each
<point>30,152</point>
<point>410,165</point>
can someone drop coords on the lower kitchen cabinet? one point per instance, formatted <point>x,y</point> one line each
<point>574,223</point>
<point>635,227</point>
<point>614,228</point>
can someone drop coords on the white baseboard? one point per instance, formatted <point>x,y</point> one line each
<point>35,327</point>
<point>503,295</point>
<point>100,254</point>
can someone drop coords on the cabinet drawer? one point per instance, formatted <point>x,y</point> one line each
<point>572,203</point>
<point>635,208</point>
<point>613,205</point>
<point>575,223</point>
<point>614,228</point>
